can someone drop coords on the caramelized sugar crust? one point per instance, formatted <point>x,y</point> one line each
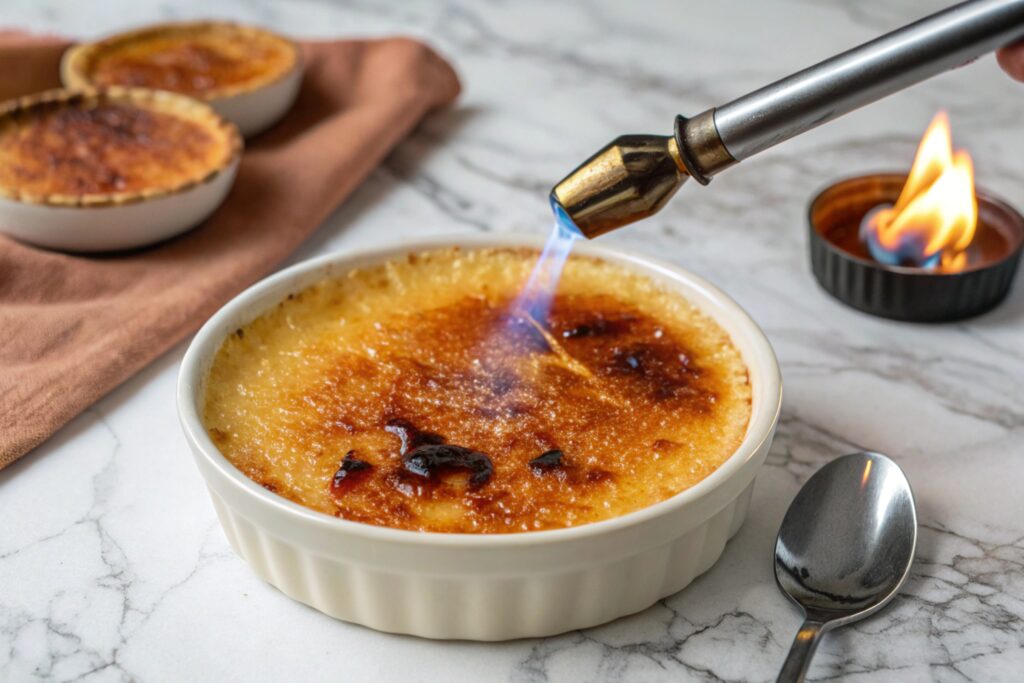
<point>105,147</point>
<point>197,60</point>
<point>417,395</point>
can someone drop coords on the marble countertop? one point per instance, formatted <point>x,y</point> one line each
<point>113,566</point>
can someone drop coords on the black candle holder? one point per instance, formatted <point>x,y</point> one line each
<point>845,269</point>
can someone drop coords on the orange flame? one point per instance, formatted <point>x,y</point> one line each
<point>937,211</point>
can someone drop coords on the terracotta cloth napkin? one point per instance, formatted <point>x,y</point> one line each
<point>74,327</point>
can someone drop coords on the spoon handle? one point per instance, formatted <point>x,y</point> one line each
<point>806,642</point>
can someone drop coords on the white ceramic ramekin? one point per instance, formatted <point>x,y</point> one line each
<point>108,222</point>
<point>482,586</point>
<point>253,109</point>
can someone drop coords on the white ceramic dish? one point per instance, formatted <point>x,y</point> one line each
<point>93,223</point>
<point>489,586</point>
<point>253,110</point>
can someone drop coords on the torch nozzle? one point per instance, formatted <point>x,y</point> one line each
<point>630,178</point>
<point>633,176</point>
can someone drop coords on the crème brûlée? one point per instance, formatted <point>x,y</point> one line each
<point>202,59</point>
<point>103,146</point>
<point>425,394</point>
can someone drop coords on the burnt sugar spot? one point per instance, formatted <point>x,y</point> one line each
<point>548,460</point>
<point>427,455</point>
<point>587,316</point>
<point>411,436</point>
<point>599,326</point>
<point>431,460</point>
<point>351,471</point>
<point>632,350</point>
<point>598,476</point>
<point>663,369</point>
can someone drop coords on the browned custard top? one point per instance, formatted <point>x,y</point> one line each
<point>416,395</point>
<point>104,147</point>
<point>200,60</point>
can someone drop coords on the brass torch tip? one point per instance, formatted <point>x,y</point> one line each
<point>629,179</point>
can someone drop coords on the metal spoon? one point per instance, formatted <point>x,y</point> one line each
<point>845,547</point>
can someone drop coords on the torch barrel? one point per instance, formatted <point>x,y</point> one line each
<point>867,73</point>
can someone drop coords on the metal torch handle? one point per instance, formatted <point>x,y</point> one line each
<point>811,97</point>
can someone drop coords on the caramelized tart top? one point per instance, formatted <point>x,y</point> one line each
<point>421,394</point>
<point>109,146</point>
<point>203,60</point>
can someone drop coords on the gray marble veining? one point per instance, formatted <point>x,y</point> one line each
<point>112,566</point>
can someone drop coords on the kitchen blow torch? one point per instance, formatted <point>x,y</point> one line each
<point>634,176</point>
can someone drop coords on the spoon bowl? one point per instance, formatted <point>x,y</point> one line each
<point>845,547</point>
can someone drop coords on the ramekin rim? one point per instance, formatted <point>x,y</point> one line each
<point>207,340</point>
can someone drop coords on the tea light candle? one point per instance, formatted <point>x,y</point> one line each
<point>842,262</point>
<point>924,247</point>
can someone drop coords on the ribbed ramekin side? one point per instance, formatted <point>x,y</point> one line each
<point>483,607</point>
<point>740,511</point>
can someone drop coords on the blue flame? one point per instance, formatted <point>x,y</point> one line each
<point>909,252</point>
<point>539,292</point>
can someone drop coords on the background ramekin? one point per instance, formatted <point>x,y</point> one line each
<point>482,586</point>
<point>253,110</point>
<point>96,223</point>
